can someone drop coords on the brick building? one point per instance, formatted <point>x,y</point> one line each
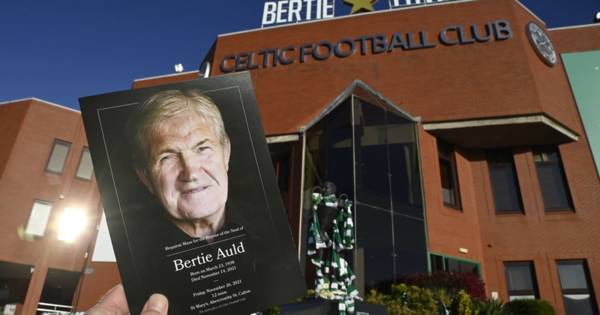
<point>459,140</point>
<point>457,130</point>
<point>49,205</point>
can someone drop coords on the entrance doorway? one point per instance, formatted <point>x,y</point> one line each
<point>368,148</point>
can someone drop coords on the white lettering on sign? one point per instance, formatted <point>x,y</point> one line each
<point>293,11</point>
<point>269,13</point>
<point>281,10</point>
<point>295,8</point>
<point>402,3</point>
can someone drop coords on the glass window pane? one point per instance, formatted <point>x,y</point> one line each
<point>38,219</point>
<point>572,275</point>
<point>372,170</point>
<point>518,277</point>
<point>329,152</point>
<point>447,186</point>
<point>58,156</point>
<point>59,287</point>
<point>454,265</point>
<point>404,167</point>
<point>505,185</point>
<point>504,189</point>
<point>14,281</point>
<point>388,185</point>
<point>520,280</point>
<point>85,169</point>
<point>437,263</point>
<point>577,292</point>
<point>578,304</point>
<point>409,245</point>
<point>552,180</point>
<point>448,175</point>
<point>374,235</point>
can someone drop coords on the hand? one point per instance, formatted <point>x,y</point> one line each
<point>115,303</point>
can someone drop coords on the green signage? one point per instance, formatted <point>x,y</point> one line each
<point>583,70</point>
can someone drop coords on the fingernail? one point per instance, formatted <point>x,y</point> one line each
<point>158,303</point>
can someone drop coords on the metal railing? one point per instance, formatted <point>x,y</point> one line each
<point>53,309</point>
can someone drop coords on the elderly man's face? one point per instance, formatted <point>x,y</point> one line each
<point>187,168</point>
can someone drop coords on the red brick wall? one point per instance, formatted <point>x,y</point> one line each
<point>12,118</point>
<point>101,277</point>
<point>550,84</point>
<point>448,83</point>
<point>142,83</point>
<point>438,84</point>
<point>449,229</point>
<point>25,180</point>
<point>536,235</point>
<point>576,39</point>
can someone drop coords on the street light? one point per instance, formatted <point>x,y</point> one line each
<point>597,17</point>
<point>70,224</point>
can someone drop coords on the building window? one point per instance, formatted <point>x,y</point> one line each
<point>578,295</point>
<point>14,281</point>
<point>450,191</point>
<point>38,219</point>
<point>520,280</point>
<point>58,291</point>
<point>505,185</point>
<point>449,264</point>
<point>85,169</point>
<point>551,176</point>
<point>58,156</point>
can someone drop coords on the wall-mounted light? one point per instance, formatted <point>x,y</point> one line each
<point>597,17</point>
<point>495,295</point>
<point>70,224</point>
<point>178,68</point>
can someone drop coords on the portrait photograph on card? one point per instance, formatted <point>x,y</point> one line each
<point>191,198</point>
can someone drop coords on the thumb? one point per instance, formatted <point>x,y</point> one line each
<point>157,304</point>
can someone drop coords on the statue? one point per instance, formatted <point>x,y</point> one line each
<point>331,234</point>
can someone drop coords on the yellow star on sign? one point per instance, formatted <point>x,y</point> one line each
<point>361,5</point>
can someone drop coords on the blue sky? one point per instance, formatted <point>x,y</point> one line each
<point>63,49</point>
